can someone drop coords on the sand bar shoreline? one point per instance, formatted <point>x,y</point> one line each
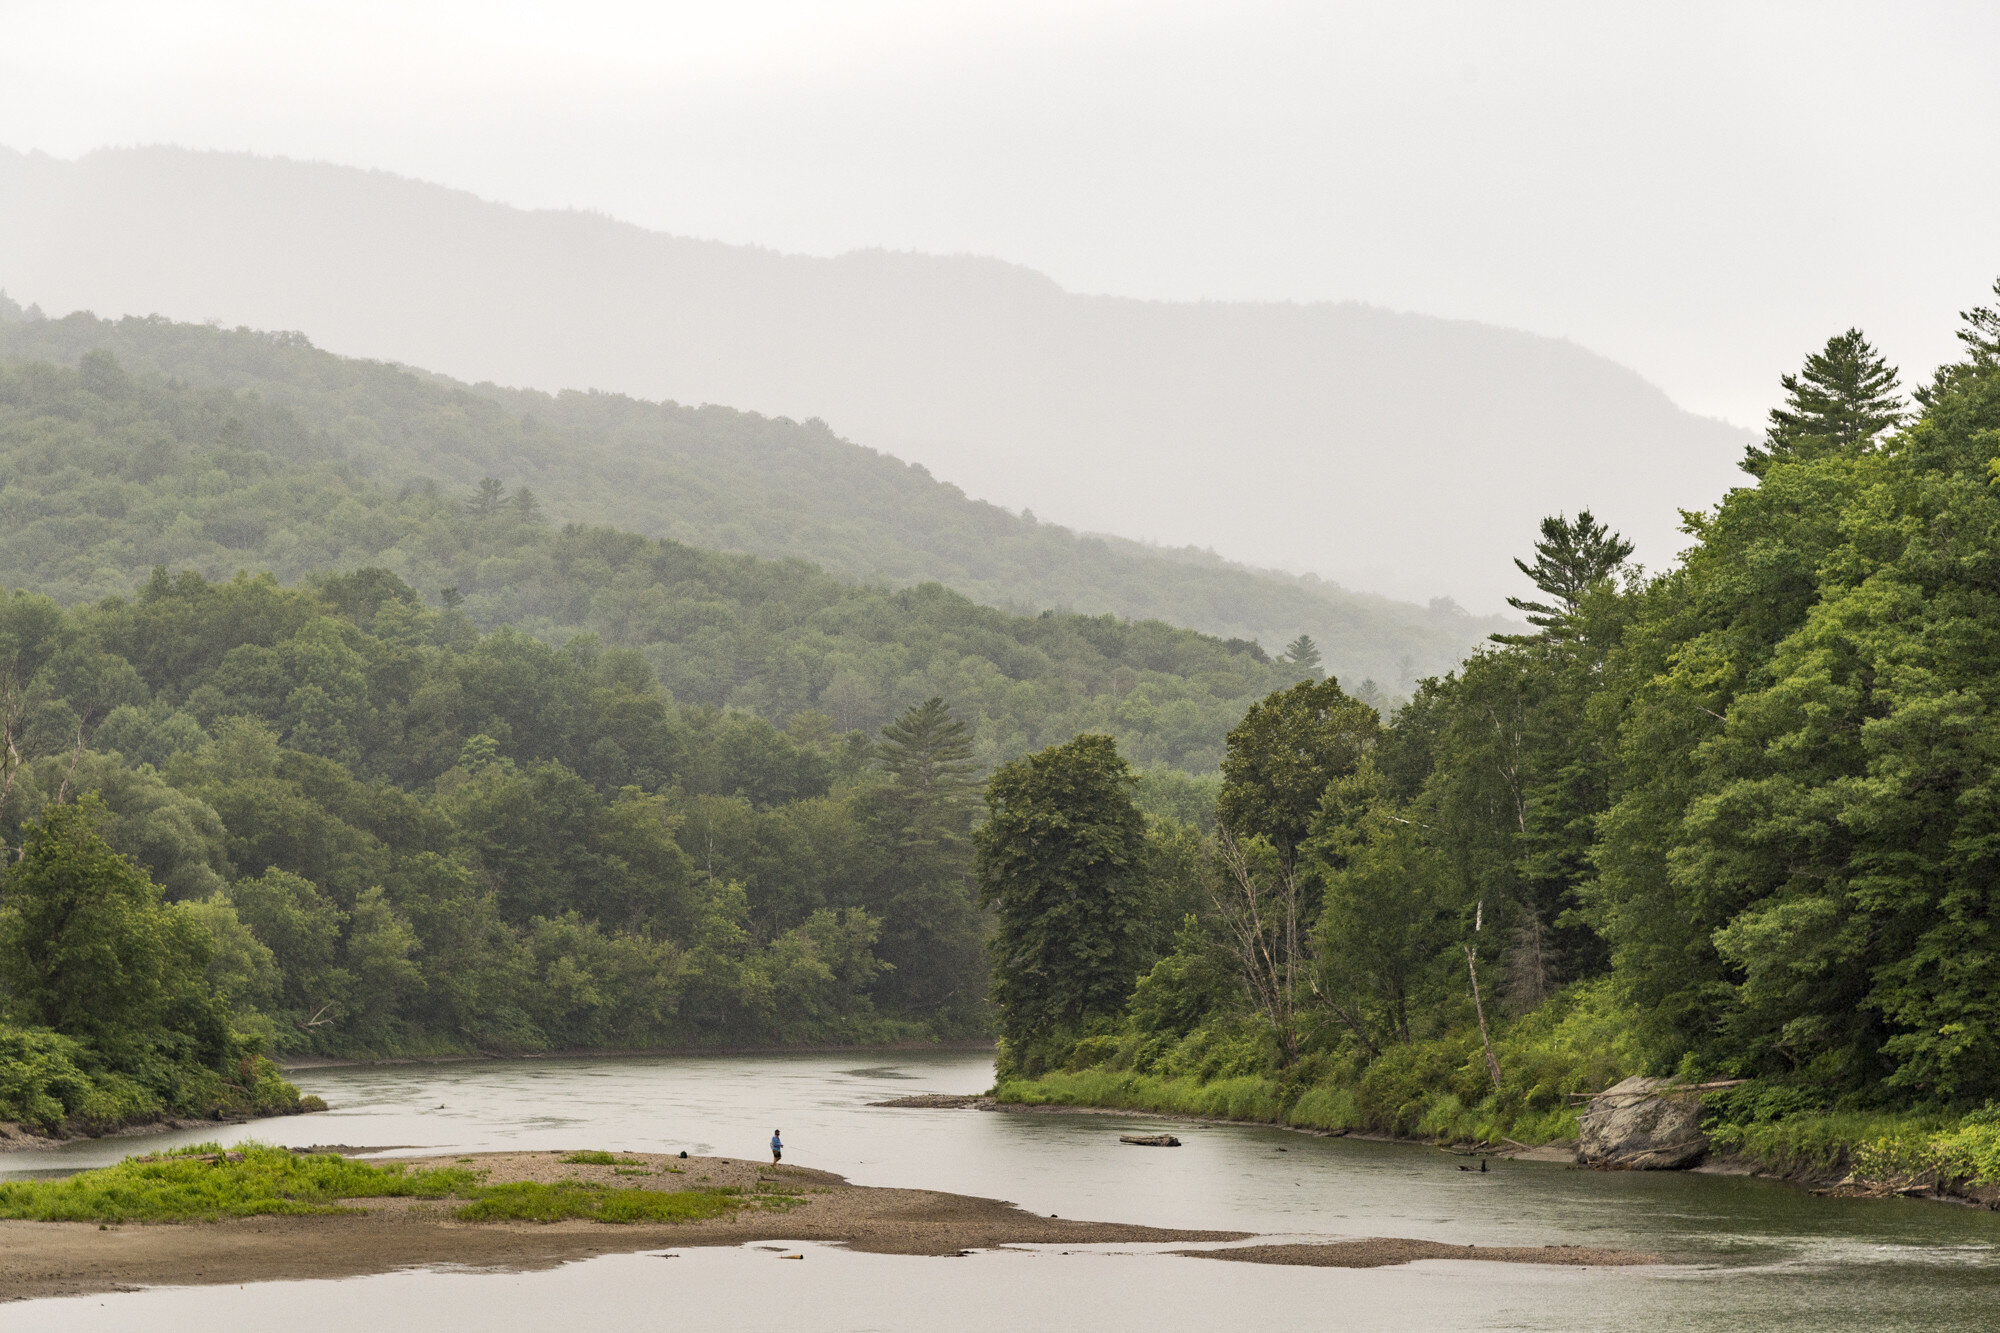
<point>45,1259</point>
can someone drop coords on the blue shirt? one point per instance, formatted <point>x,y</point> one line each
<point>775,1145</point>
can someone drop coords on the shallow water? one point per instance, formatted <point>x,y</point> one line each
<point>1746,1253</point>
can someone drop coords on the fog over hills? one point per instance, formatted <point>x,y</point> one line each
<point>1393,452</point>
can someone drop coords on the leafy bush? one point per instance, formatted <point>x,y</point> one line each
<point>44,1085</point>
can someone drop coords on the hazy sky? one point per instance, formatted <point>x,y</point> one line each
<point>1702,191</point>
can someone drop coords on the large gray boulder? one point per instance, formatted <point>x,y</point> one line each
<point>1642,1124</point>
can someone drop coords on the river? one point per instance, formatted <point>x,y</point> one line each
<point>1744,1254</point>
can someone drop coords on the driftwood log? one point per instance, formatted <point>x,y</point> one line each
<point>1150,1140</point>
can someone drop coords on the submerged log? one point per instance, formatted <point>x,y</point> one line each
<point>1150,1140</point>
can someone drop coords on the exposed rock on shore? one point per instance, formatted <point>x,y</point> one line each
<point>1642,1124</point>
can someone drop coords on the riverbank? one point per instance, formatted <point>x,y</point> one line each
<point>1937,1157</point>
<point>731,1202</point>
<point>984,1101</point>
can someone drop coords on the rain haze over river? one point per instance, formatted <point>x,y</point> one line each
<point>1742,1253</point>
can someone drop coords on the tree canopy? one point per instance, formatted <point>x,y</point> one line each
<point>1061,862</point>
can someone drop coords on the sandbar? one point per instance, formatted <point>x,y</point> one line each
<point>77,1258</point>
<point>42,1259</point>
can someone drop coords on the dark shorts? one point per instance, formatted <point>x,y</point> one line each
<point>777,1154</point>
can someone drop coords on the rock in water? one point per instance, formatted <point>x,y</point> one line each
<point>1151,1140</point>
<point>1642,1124</point>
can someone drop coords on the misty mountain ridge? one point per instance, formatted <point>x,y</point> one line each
<point>725,480</point>
<point>1405,453</point>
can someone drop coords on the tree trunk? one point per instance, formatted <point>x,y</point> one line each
<point>1479,1008</point>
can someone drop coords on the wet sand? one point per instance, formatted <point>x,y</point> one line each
<point>75,1258</point>
<point>68,1259</point>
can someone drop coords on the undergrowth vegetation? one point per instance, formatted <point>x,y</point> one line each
<point>1574,1044</point>
<point>1921,1148</point>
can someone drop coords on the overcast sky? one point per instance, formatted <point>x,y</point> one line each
<point>1702,192</point>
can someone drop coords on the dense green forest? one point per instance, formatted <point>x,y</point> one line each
<point>586,789</point>
<point>1734,821</point>
<point>718,479</point>
<point>371,828</point>
<point>105,475</point>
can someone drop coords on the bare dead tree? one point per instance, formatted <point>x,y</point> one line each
<point>1479,1005</point>
<point>1258,906</point>
<point>75,758</point>
<point>13,712</point>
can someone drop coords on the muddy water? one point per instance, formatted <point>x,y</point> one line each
<point>1745,1254</point>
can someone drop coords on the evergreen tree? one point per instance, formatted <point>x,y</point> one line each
<point>488,500</point>
<point>929,754</point>
<point>1570,560</point>
<point>1061,861</point>
<point>924,895</point>
<point>1843,398</point>
<point>1302,654</point>
<point>1981,336</point>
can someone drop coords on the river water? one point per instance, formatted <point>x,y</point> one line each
<point>1745,1254</point>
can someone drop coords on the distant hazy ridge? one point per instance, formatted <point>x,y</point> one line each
<point>727,480</point>
<point>1396,452</point>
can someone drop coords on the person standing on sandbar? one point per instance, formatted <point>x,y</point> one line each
<point>777,1147</point>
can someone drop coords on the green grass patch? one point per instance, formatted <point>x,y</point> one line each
<point>527,1201</point>
<point>199,1183</point>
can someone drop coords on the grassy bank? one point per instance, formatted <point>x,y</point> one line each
<point>1437,1089</point>
<point>1334,1106</point>
<point>1893,1151</point>
<point>1440,1090</point>
<point>1897,1150</point>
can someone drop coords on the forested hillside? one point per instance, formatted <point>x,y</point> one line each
<point>1389,450</point>
<point>375,829</point>
<point>105,475</point>
<point>733,481</point>
<point>1733,822</point>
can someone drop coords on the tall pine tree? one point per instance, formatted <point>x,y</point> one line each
<point>1570,560</point>
<point>924,895</point>
<point>1843,398</point>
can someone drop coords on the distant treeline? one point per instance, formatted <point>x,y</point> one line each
<point>105,475</point>
<point>722,480</point>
